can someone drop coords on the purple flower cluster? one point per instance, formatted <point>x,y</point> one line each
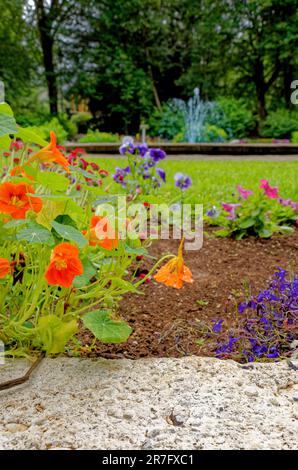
<point>288,203</point>
<point>182,181</point>
<point>142,170</point>
<point>120,175</point>
<point>268,323</point>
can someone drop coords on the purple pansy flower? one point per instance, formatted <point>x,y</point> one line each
<point>182,181</point>
<point>213,212</point>
<point>161,173</point>
<point>157,154</point>
<point>120,174</point>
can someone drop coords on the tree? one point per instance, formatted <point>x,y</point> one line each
<point>50,17</point>
<point>127,58</point>
<point>17,59</point>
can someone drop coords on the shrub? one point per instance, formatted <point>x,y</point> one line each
<point>70,127</point>
<point>234,117</point>
<point>81,120</point>
<point>214,134</point>
<point>53,125</point>
<point>98,137</point>
<point>167,123</point>
<point>280,124</point>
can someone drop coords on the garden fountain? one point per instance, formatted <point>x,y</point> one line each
<point>195,112</point>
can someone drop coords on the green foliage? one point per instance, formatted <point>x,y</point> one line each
<point>280,124</point>
<point>69,126</point>
<point>234,117</point>
<point>294,137</point>
<point>213,133</point>
<point>53,125</point>
<point>167,123</point>
<point>99,137</point>
<point>81,121</point>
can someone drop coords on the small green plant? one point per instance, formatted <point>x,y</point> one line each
<point>99,137</point>
<point>202,303</point>
<point>260,214</point>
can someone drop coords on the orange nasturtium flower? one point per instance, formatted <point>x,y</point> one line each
<point>4,267</point>
<point>101,233</point>
<point>64,266</point>
<point>15,201</point>
<point>51,154</point>
<point>174,272</point>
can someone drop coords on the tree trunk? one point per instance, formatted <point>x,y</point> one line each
<point>288,78</point>
<point>51,78</point>
<point>47,45</point>
<point>260,85</point>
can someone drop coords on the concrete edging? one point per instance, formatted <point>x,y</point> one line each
<point>188,403</point>
<point>191,149</point>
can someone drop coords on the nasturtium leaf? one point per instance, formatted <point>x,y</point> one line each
<point>52,333</point>
<point>30,137</point>
<point>35,233</point>
<point>67,232</point>
<point>5,141</point>
<point>138,251</point>
<point>50,210</point>
<point>89,272</point>
<point>65,219</point>
<point>105,328</point>
<point>52,181</point>
<point>6,109</point>
<point>16,223</point>
<point>7,125</point>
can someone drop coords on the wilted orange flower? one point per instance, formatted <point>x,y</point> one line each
<point>174,272</point>
<point>4,267</point>
<point>64,266</point>
<point>14,200</point>
<point>51,154</point>
<point>101,226</point>
<point>19,170</point>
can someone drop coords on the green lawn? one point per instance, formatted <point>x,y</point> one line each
<point>215,181</point>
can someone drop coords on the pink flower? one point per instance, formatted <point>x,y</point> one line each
<point>271,192</point>
<point>16,144</point>
<point>230,208</point>
<point>244,193</point>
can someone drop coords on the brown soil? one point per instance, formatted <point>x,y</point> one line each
<point>167,322</point>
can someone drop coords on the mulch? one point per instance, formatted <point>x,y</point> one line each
<point>168,322</point>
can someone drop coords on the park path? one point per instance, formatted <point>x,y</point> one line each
<point>187,403</point>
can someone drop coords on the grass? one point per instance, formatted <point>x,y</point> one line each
<point>215,181</point>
